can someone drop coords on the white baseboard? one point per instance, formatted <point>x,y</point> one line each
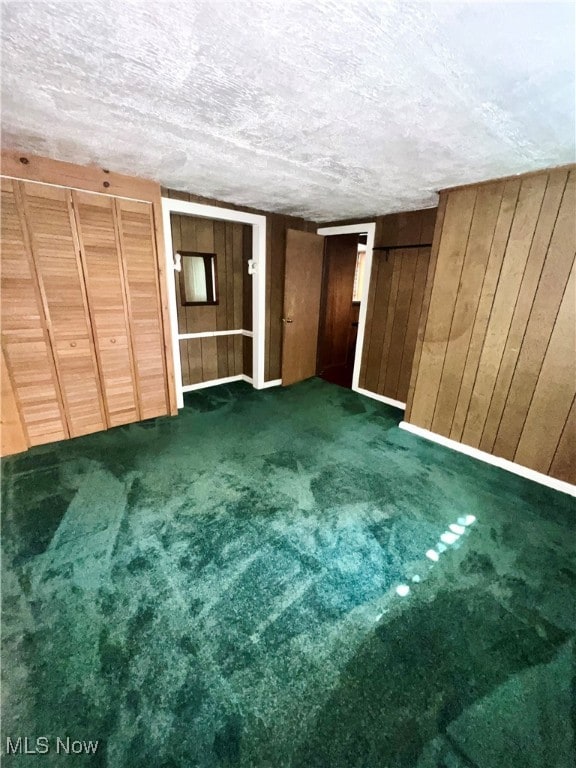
<point>496,461</point>
<point>215,382</point>
<point>272,383</point>
<point>380,398</point>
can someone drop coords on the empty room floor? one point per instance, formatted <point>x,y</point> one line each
<point>252,584</point>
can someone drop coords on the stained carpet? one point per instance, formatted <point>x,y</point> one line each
<point>220,589</point>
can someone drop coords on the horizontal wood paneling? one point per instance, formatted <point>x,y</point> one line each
<point>497,368</point>
<point>396,294</point>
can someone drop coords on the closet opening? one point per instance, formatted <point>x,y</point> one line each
<point>216,275</point>
<point>343,282</point>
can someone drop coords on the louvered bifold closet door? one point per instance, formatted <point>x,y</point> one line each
<point>137,236</point>
<point>50,222</point>
<point>105,286</point>
<point>25,340</point>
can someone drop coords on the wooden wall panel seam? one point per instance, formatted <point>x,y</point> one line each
<point>476,310</point>
<point>512,352</point>
<point>568,287</point>
<point>474,207</point>
<point>498,254</point>
<point>423,320</point>
<point>489,317</point>
<point>529,249</point>
<point>490,447</point>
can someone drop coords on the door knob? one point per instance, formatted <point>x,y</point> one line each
<point>287,320</point>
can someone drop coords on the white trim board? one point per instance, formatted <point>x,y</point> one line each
<point>488,458</point>
<point>216,382</point>
<point>349,229</point>
<point>382,398</point>
<point>210,334</point>
<point>258,224</point>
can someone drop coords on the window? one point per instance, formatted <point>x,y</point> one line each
<point>198,284</point>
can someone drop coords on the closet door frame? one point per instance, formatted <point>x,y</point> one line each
<point>258,267</point>
<point>19,166</point>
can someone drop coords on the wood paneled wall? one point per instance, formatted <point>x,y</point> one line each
<point>217,357</point>
<point>495,362</point>
<point>276,226</point>
<point>397,283</point>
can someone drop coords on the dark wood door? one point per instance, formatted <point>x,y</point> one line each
<point>302,290</point>
<point>337,332</point>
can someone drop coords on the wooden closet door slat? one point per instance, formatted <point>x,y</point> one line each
<point>56,256</point>
<point>136,227</point>
<point>103,271</point>
<point>25,341</point>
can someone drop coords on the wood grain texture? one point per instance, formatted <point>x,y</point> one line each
<point>276,226</point>
<point>12,433</point>
<point>25,342</point>
<point>81,177</point>
<point>303,287</point>
<point>340,256</point>
<point>105,285</point>
<point>138,246</point>
<point>67,333</point>
<point>395,297</point>
<point>509,363</point>
<point>212,358</point>
<point>56,253</point>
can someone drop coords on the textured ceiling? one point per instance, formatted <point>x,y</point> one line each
<point>325,108</point>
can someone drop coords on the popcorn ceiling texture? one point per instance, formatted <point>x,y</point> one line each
<point>325,109</point>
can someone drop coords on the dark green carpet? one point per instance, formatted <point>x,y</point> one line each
<point>220,590</point>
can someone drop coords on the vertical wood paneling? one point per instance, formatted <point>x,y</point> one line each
<point>441,212</point>
<point>25,340</point>
<point>395,297</point>
<point>509,372</point>
<point>517,250</point>
<point>49,218</point>
<point>209,358</point>
<point>564,459</point>
<point>488,291</point>
<point>528,289</point>
<point>398,326</point>
<point>416,302</point>
<point>456,228</point>
<point>554,391</point>
<point>559,260</point>
<point>477,252</point>
<point>276,226</point>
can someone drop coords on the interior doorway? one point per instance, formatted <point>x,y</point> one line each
<point>342,284</point>
<point>325,299</point>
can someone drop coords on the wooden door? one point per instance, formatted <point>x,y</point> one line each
<point>56,254</point>
<point>30,373</point>
<point>104,276</point>
<point>336,313</point>
<point>302,289</point>
<point>138,244</point>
